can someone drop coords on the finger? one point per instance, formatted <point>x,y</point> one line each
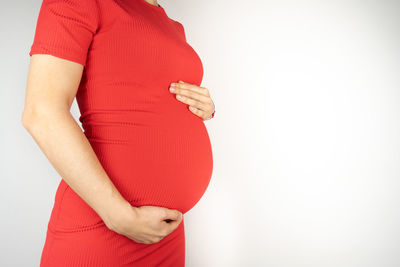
<point>171,214</point>
<point>172,225</point>
<point>189,90</point>
<point>185,91</point>
<point>194,95</point>
<point>193,102</point>
<point>192,87</point>
<point>197,111</point>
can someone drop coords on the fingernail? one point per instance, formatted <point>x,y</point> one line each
<point>171,89</point>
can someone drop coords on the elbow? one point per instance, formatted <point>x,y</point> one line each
<point>33,117</point>
<point>38,115</point>
<point>27,119</point>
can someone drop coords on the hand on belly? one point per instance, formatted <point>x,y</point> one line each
<point>145,224</point>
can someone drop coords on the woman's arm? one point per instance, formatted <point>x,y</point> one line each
<point>51,87</point>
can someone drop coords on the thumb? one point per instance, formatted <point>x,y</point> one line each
<point>171,226</point>
<point>172,215</point>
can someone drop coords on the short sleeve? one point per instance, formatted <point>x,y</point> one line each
<point>65,28</point>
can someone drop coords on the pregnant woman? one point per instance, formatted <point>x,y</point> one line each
<point>144,156</point>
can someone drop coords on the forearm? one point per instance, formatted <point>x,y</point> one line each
<point>69,151</point>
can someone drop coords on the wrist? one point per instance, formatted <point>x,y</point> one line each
<point>111,204</point>
<point>115,215</point>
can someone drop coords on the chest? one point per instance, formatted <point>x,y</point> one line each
<point>143,47</point>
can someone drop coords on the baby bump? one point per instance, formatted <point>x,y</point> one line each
<point>170,168</point>
<point>154,158</point>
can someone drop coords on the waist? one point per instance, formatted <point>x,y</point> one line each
<point>142,125</point>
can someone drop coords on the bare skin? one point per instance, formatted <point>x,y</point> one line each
<point>197,97</point>
<point>52,85</point>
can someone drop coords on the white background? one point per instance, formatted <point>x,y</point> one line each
<point>305,137</point>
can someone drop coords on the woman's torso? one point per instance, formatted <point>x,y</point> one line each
<point>154,149</point>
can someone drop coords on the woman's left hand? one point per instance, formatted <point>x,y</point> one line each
<point>198,98</point>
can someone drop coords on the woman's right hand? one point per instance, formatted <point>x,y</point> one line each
<point>145,224</point>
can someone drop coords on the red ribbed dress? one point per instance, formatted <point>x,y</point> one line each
<point>154,149</point>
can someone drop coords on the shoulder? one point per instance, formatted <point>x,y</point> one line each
<point>86,9</point>
<point>73,4</point>
<point>65,28</point>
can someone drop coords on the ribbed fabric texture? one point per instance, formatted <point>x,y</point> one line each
<point>153,148</point>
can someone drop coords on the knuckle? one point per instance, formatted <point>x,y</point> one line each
<point>164,213</point>
<point>185,93</point>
